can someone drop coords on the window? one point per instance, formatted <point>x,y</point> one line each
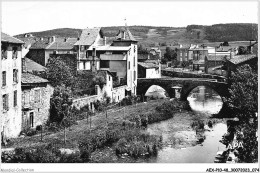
<point>5,102</point>
<point>104,64</point>
<point>15,75</point>
<point>14,56</point>
<point>128,64</point>
<point>134,75</point>
<point>4,53</point>
<point>31,119</point>
<point>134,61</point>
<point>180,53</point>
<point>4,78</point>
<point>37,96</point>
<point>109,78</point>
<point>15,98</point>
<point>26,98</point>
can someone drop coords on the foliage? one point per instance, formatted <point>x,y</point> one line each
<point>129,100</point>
<point>142,50</point>
<point>243,101</point>
<point>184,64</point>
<point>60,104</point>
<point>231,32</point>
<point>170,54</point>
<point>58,73</point>
<point>242,50</point>
<point>99,80</point>
<point>249,152</point>
<point>243,92</point>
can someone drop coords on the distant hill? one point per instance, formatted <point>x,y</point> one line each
<point>169,36</point>
<point>60,32</point>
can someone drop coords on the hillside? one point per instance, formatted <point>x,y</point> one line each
<point>169,36</point>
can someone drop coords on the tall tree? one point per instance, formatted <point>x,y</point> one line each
<point>58,72</point>
<point>243,101</point>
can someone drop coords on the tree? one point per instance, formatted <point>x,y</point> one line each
<point>58,73</point>
<point>184,64</point>
<point>142,50</point>
<point>60,104</point>
<point>225,43</point>
<point>170,54</point>
<point>242,50</point>
<point>244,92</point>
<point>243,101</point>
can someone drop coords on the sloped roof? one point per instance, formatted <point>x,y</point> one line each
<point>148,65</point>
<point>10,39</point>
<point>40,44</point>
<point>28,78</point>
<point>128,35</point>
<point>216,58</point>
<point>61,44</point>
<point>241,58</point>
<point>33,66</point>
<point>88,36</point>
<point>27,40</point>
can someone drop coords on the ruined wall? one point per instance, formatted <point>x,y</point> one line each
<point>38,106</point>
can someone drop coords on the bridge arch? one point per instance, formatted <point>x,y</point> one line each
<point>220,89</point>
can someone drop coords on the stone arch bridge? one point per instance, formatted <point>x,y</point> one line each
<point>187,85</point>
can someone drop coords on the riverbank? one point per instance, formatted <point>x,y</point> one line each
<point>120,134</point>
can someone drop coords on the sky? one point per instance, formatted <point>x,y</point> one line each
<point>38,15</point>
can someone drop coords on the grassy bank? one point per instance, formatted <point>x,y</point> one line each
<point>121,126</point>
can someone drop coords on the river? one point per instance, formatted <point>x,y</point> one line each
<point>202,102</point>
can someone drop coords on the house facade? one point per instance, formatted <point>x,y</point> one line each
<point>149,70</point>
<point>36,94</point>
<point>41,49</point>
<point>118,55</point>
<point>11,57</point>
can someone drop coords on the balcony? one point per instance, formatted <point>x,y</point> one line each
<point>113,57</point>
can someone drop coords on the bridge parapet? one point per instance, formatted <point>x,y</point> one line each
<point>187,84</point>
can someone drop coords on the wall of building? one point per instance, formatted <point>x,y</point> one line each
<point>153,73</point>
<point>132,68</point>
<point>119,67</point>
<point>118,93</point>
<point>11,118</point>
<point>39,108</point>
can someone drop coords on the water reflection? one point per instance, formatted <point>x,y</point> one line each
<point>204,153</point>
<point>205,100</point>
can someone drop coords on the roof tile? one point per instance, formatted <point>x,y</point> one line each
<point>10,39</point>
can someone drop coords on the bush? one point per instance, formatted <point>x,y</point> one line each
<point>198,124</point>
<point>71,158</point>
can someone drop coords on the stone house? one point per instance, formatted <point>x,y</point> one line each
<point>36,94</point>
<point>238,60</point>
<point>41,50</point>
<point>11,57</point>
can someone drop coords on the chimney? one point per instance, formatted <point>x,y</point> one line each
<point>94,52</point>
<point>78,38</point>
<point>105,40</point>
<point>25,35</point>
<point>53,38</point>
<point>41,38</point>
<point>49,40</point>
